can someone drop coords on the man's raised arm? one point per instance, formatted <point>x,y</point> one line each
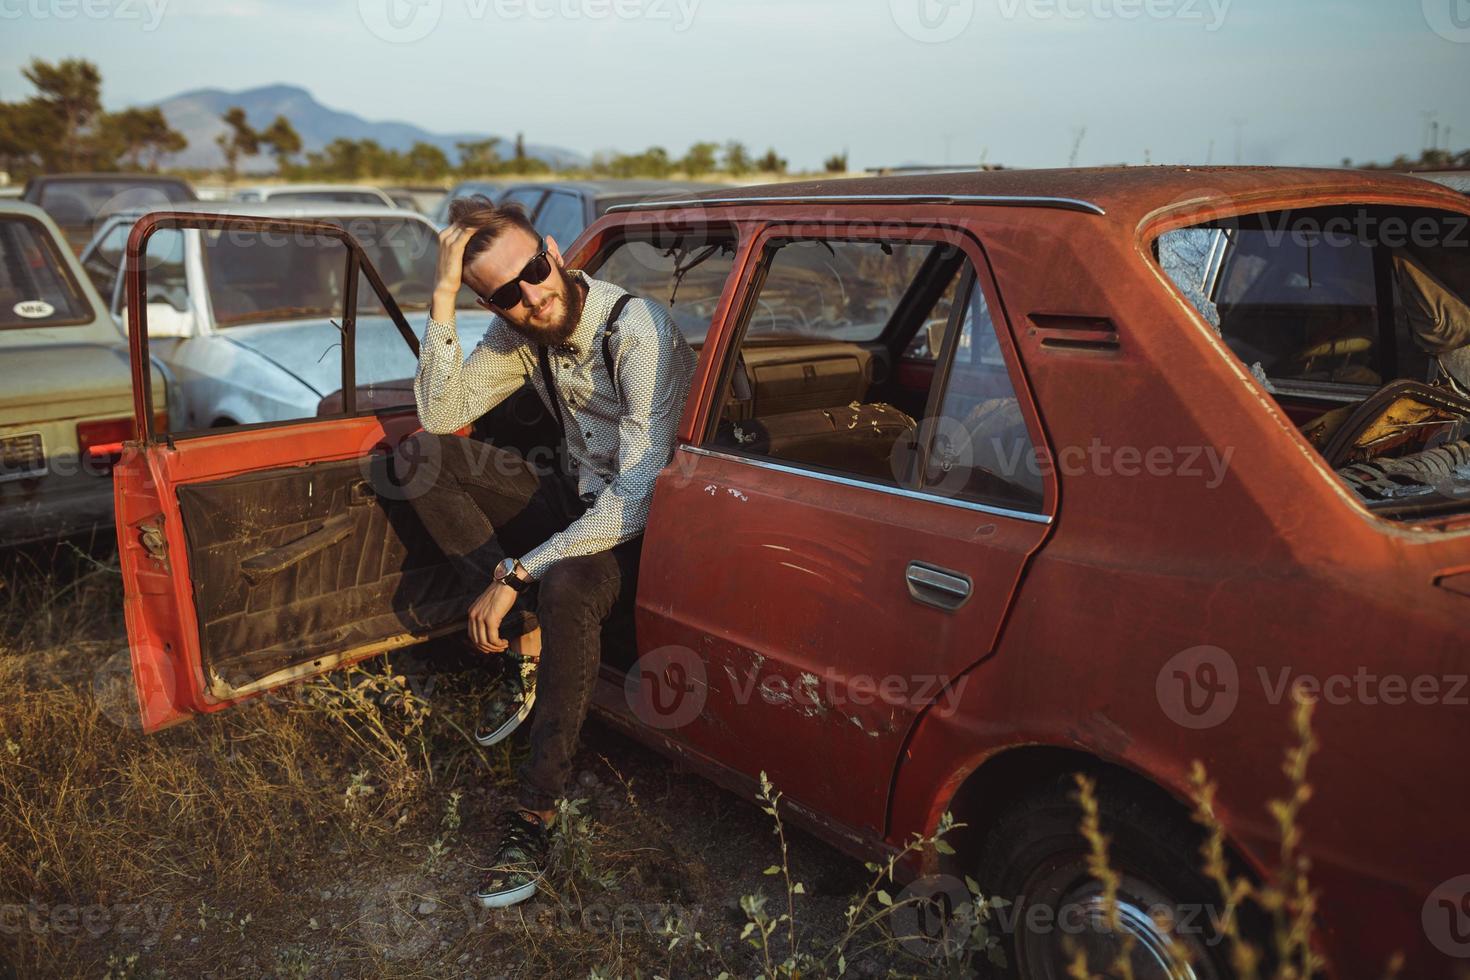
<point>451,392</point>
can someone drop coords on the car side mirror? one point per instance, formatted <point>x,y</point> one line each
<point>166,321</point>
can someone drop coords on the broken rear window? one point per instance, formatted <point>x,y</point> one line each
<point>1358,320</point>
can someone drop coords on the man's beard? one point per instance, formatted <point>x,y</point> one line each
<point>553,334</point>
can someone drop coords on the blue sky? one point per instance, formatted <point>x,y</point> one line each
<point>890,80</point>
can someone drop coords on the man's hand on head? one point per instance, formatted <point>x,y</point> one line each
<point>485,617</point>
<point>450,273</point>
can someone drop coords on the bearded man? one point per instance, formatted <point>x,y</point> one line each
<point>614,371</point>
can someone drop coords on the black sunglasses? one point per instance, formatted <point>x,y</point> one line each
<point>535,273</point>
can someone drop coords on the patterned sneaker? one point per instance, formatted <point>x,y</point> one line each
<point>510,702</point>
<point>520,863</point>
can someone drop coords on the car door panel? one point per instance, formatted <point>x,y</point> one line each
<point>261,555</point>
<point>811,609</point>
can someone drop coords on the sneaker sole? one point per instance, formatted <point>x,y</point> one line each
<point>511,896</point>
<point>507,726</point>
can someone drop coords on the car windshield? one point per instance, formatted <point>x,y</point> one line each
<point>36,288</point>
<point>256,277</point>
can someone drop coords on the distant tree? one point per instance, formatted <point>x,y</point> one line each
<point>478,156</point>
<point>771,163</point>
<point>520,153</point>
<point>652,162</point>
<point>700,159</point>
<point>427,161</point>
<point>130,134</point>
<point>284,142</point>
<point>68,96</point>
<point>836,164</point>
<point>20,124</point>
<point>737,159</point>
<point>238,139</point>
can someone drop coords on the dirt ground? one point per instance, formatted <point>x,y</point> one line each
<point>337,830</point>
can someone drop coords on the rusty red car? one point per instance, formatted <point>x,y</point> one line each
<point>984,480</point>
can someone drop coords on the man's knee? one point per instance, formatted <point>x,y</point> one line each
<point>574,588</point>
<point>430,457</point>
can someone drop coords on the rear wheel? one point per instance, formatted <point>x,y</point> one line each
<point>1035,857</point>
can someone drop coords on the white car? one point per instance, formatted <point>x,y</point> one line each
<point>308,193</point>
<point>66,392</point>
<point>247,324</point>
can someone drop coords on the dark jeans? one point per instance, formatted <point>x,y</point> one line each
<point>481,503</point>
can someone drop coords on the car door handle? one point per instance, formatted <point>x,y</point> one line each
<point>938,587</point>
<point>258,568</point>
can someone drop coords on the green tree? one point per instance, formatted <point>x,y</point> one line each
<point>478,157</point>
<point>520,154</point>
<point>69,97</point>
<point>284,142</point>
<point>836,163</point>
<point>652,162</point>
<point>427,161</point>
<point>771,163</point>
<point>237,139</point>
<point>130,134</point>
<point>700,159</point>
<point>737,158</point>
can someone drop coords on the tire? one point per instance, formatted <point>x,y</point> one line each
<point>1035,855</point>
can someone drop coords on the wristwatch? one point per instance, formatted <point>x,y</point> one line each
<point>513,574</point>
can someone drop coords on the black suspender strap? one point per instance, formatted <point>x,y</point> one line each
<point>607,332</point>
<point>550,386</point>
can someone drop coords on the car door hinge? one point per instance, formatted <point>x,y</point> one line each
<point>151,537</point>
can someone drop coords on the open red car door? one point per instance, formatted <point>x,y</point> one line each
<point>263,554</point>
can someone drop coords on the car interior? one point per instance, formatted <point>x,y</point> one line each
<point>1356,320</point>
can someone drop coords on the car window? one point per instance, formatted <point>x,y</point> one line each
<point>561,218</point>
<point>686,275</point>
<point>167,282</point>
<point>1297,301</point>
<point>526,197</point>
<point>36,288</point>
<point>73,202</point>
<point>835,290</point>
<point>104,263</point>
<point>811,385</point>
<point>979,449</point>
<point>929,338</point>
<point>255,279</point>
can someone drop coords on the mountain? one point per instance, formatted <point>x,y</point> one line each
<point>197,115</point>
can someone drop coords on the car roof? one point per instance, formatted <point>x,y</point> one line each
<point>295,188</point>
<point>1457,179</point>
<point>10,205</point>
<point>282,209</point>
<point>617,188</point>
<point>141,178</point>
<point>1129,193</point>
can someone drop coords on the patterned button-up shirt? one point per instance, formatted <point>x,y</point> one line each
<point>617,445</point>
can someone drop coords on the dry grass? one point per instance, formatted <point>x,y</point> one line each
<point>337,829</point>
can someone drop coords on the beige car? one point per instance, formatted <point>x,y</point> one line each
<point>65,386</point>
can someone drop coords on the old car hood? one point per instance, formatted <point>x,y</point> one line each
<point>307,349</point>
<point>58,381</point>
